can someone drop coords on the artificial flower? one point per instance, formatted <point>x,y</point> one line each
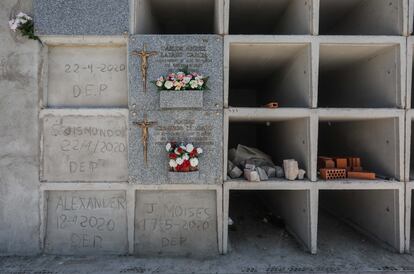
<point>168,84</point>
<point>173,163</point>
<point>194,162</point>
<point>189,148</point>
<point>168,147</point>
<point>179,161</point>
<point>199,150</point>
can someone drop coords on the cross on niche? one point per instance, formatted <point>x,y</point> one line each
<point>143,54</point>
<point>144,125</point>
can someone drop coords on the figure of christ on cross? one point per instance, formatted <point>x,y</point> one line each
<point>144,63</point>
<point>144,125</point>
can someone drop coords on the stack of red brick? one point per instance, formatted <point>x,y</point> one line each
<point>331,168</point>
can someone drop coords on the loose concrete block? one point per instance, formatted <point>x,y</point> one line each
<point>176,223</point>
<point>251,175</point>
<point>262,174</point>
<point>235,172</point>
<point>85,17</point>
<point>82,76</point>
<point>86,223</point>
<point>279,172</point>
<point>270,171</point>
<point>291,169</point>
<point>84,146</point>
<point>301,174</point>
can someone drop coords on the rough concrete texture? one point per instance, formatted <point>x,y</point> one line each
<point>181,99</point>
<point>201,128</point>
<point>176,223</point>
<point>84,145</point>
<point>81,17</point>
<point>86,222</point>
<point>87,76</point>
<point>261,248</point>
<point>19,142</point>
<point>202,54</point>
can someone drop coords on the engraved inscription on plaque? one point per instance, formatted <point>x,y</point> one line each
<point>199,53</point>
<point>87,76</point>
<point>82,147</point>
<point>86,222</point>
<point>202,128</point>
<point>176,222</point>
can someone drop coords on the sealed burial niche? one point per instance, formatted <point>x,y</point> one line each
<point>264,222</point>
<point>279,139</point>
<point>359,76</point>
<point>375,142</point>
<point>361,17</point>
<point>360,222</point>
<point>178,16</point>
<point>411,174</point>
<point>263,73</point>
<point>270,17</point>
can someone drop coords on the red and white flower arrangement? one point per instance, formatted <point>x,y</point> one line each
<point>183,157</point>
<point>23,23</point>
<point>182,80</point>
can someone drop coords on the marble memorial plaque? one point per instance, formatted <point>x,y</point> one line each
<point>81,17</point>
<point>86,223</point>
<point>176,222</point>
<point>87,76</point>
<point>201,128</point>
<point>171,53</point>
<point>89,145</point>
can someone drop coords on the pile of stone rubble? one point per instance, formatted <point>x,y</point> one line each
<point>256,166</point>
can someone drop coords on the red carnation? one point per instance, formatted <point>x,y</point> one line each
<point>193,153</point>
<point>172,156</point>
<point>179,150</point>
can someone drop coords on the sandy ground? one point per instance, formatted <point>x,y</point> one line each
<point>257,246</point>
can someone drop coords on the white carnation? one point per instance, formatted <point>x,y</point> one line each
<point>186,157</point>
<point>193,84</point>
<point>179,161</point>
<point>189,148</point>
<point>199,150</point>
<point>159,83</point>
<point>168,84</point>
<point>194,162</point>
<point>173,163</point>
<point>168,147</point>
<point>187,79</point>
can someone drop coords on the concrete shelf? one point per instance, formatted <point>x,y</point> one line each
<point>377,213</point>
<point>361,73</point>
<point>363,17</point>
<point>293,206</point>
<point>275,17</point>
<point>260,71</point>
<point>409,146</point>
<point>157,17</point>
<point>409,188</point>
<point>410,71</point>
<point>376,137</point>
<point>280,134</point>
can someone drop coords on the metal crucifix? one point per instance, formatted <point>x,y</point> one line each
<point>144,125</point>
<point>143,54</point>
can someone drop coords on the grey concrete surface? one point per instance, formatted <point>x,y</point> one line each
<point>176,223</point>
<point>85,17</point>
<point>257,247</point>
<point>19,137</point>
<point>86,222</point>
<point>87,76</point>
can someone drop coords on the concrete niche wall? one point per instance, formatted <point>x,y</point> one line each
<point>86,75</point>
<point>361,75</point>
<point>377,213</point>
<point>362,17</point>
<point>265,72</point>
<point>280,138</point>
<point>378,142</point>
<point>286,208</point>
<point>157,16</point>
<point>268,17</point>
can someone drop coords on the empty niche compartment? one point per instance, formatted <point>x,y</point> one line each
<point>366,222</point>
<point>270,17</point>
<point>279,138</point>
<point>269,222</point>
<point>359,76</point>
<point>263,73</point>
<point>374,141</point>
<point>361,17</point>
<point>178,16</point>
